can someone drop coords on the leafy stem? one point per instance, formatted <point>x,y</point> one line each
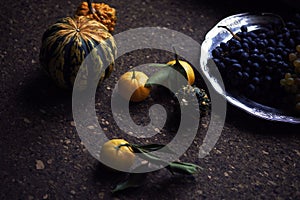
<point>167,73</point>
<point>176,56</point>
<point>176,166</point>
<point>230,31</point>
<point>137,179</point>
<point>177,66</point>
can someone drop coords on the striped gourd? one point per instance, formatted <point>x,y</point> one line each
<point>67,43</point>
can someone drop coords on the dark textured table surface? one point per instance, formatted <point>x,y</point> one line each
<point>41,154</point>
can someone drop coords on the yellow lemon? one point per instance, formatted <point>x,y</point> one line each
<point>188,69</point>
<point>117,157</point>
<point>131,86</point>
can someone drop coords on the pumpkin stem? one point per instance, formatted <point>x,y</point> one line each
<point>133,74</point>
<point>90,6</point>
<point>176,56</point>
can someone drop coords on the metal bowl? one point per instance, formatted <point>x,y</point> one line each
<point>217,35</point>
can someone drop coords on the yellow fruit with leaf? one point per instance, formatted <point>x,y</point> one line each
<point>190,75</point>
<point>117,155</point>
<point>131,86</point>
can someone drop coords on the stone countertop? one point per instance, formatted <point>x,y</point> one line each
<point>42,156</point>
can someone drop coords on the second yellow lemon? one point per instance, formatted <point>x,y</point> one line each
<point>131,86</point>
<point>188,69</point>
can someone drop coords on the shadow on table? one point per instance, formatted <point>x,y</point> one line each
<point>109,176</point>
<point>157,182</point>
<point>247,122</point>
<point>40,95</point>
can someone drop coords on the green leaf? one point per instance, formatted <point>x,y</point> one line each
<point>183,168</point>
<point>155,147</point>
<point>159,65</point>
<point>158,77</point>
<point>152,147</point>
<point>177,66</point>
<point>178,167</point>
<point>148,156</point>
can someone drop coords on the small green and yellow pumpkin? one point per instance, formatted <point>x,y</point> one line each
<point>66,44</point>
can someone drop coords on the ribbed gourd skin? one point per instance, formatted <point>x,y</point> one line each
<point>66,44</point>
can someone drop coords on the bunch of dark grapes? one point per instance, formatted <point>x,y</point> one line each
<point>252,63</point>
<point>291,81</point>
